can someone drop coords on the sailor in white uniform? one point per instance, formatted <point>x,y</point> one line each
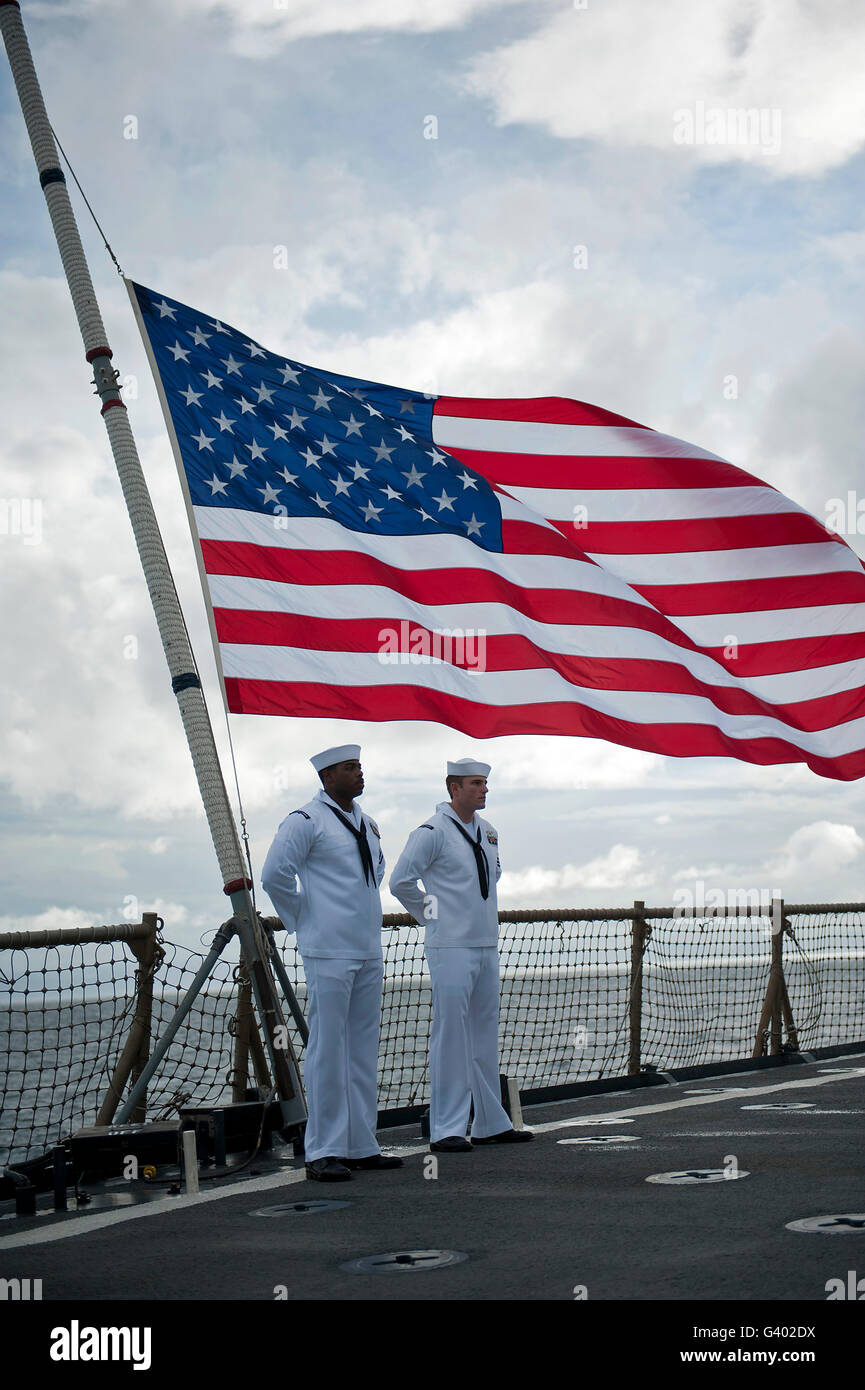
<point>455,854</point>
<point>335,852</point>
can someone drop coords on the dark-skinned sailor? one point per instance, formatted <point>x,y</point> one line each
<point>323,873</point>
<point>455,855</point>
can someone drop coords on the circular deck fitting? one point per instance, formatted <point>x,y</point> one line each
<point>849,1223</point>
<point>697,1175</point>
<point>783,1105</point>
<point>301,1208</point>
<point>604,1139</point>
<point>404,1262</point>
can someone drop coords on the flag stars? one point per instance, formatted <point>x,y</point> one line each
<point>373,470</point>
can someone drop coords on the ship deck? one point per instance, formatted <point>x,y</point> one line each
<point>569,1217</point>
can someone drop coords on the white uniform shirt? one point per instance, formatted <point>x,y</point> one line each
<point>438,854</point>
<point>334,912</point>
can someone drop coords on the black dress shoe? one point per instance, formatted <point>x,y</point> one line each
<point>327,1170</point>
<point>372,1161</point>
<point>454,1144</point>
<point>507,1136</point>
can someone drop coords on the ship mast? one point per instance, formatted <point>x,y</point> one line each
<point>166,605</point>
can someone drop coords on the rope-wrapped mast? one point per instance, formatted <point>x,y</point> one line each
<point>166,605</point>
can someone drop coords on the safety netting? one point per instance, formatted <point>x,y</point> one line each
<point>578,1003</point>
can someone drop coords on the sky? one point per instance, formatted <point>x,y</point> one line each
<point>480,197</point>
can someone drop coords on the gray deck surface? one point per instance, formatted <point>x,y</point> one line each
<point>535,1219</point>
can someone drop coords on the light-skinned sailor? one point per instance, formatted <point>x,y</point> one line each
<point>455,855</point>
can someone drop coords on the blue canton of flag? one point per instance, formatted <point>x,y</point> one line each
<point>261,433</point>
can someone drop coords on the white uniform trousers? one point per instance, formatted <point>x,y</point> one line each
<point>464,1041</point>
<point>341,1064</point>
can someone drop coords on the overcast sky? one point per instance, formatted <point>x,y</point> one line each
<point>278,166</point>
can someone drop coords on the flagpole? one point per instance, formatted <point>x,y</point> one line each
<point>160,583</point>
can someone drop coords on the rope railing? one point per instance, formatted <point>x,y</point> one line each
<point>587,994</point>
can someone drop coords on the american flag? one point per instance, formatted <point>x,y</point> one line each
<point>501,567</point>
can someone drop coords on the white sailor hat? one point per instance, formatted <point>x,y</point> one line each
<point>347,752</point>
<point>468,767</point>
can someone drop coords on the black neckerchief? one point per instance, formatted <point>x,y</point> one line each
<point>480,858</point>
<point>362,842</point>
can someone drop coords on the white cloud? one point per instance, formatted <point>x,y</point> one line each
<point>174,915</point>
<point>50,919</point>
<point>815,852</point>
<point>257,31</point>
<point>619,73</point>
<point>621,867</point>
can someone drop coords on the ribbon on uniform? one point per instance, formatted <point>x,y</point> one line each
<point>480,858</point>
<point>362,842</point>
